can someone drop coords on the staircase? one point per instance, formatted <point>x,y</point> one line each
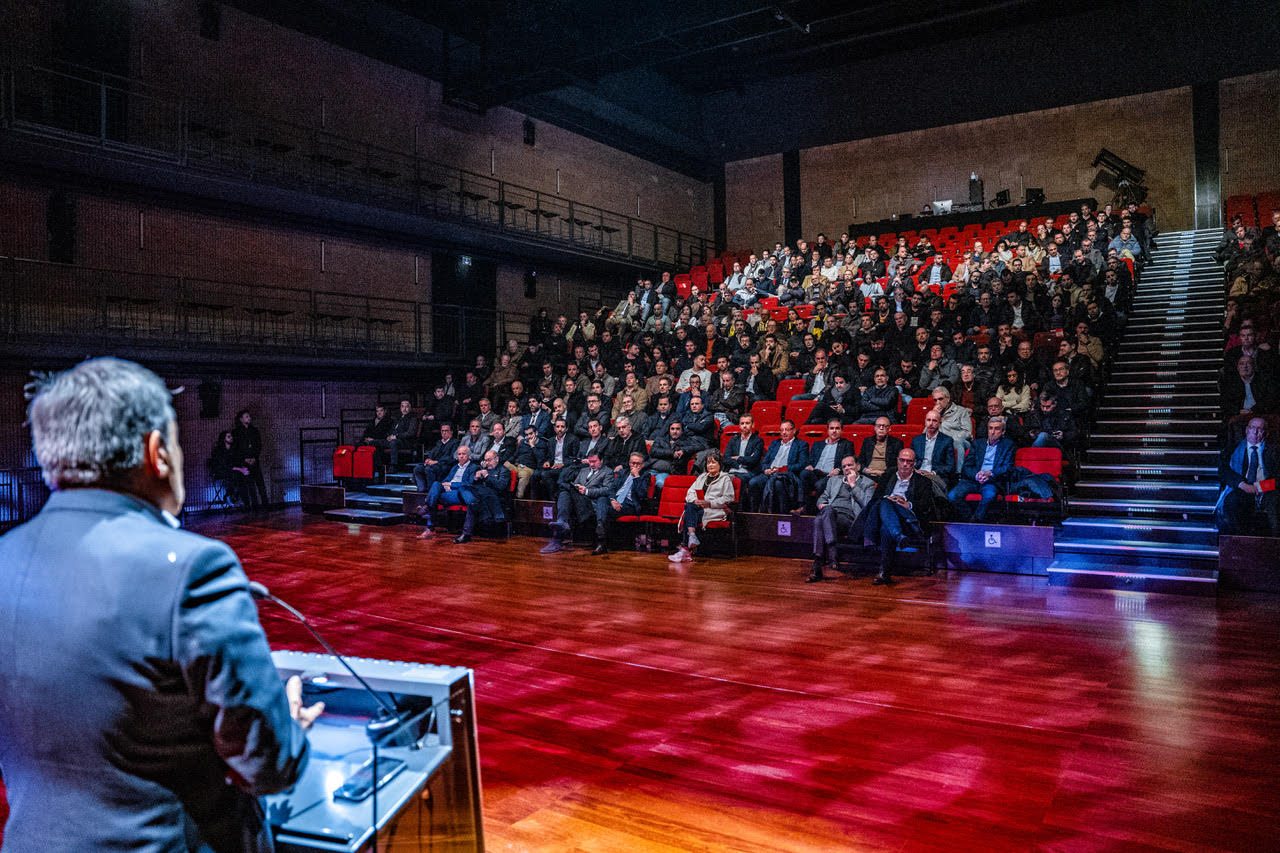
<point>375,504</point>
<point>1141,517</point>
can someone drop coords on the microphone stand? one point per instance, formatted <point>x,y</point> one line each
<point>374,726</point>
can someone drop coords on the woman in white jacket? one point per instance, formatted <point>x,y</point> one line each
<point>707,500</point>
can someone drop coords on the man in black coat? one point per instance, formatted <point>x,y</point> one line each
<point>878,452</point>
<point>246,448</point>
<point>438,459</point>
<point>901,509</point>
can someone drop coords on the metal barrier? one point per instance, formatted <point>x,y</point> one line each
<point>127,116</point>
<point>22,494</point>
<point>43,302</point>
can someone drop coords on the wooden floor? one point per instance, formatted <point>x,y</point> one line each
<point>626,705</point>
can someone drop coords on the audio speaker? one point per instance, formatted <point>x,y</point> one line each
<point>530,284</point>
<point>530,132</point>
<point>210,394</point>
<point>976,195</point>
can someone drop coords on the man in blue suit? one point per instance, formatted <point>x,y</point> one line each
<point>139,706</point>
<point>1244,507</point>
<point>935,454</point>
<point>824,461</point>
<point>451,489</point>
<point>783,462</point>
<point>986,469</point>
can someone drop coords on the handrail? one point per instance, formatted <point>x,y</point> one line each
<point>50,302</point>
<point>200,136</point>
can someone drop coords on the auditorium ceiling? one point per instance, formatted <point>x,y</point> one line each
<point>692,84</point>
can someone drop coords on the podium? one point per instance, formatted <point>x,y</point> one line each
<point>433,803</point>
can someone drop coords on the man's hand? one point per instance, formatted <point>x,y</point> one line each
<point>983,476</point>
<point>617,507</point>
<point>582,489</point>
<point>1250,488</point>
<point>899,500</point>
<point>304,716</point>
<point>448,487</point>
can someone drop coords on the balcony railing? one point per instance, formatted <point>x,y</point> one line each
<point>43,303</point>
<point>128,117</point>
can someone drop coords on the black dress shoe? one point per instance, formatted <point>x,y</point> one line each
<point>815,576</point>
<point>882,579</point>
<point>462,539</point>
<point>600,550</point>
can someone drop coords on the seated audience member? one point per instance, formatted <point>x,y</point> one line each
<point>1072,395</point>
<point>708,499</point>
<point>1049,425</point>
<point>1249,504</point>
<point>486,499</point>
<point>699,369</point>
<point>880,400</point>
<point>537,417</point>
<point>1014,393</point>
<point>728,400</point>
<point>957,420</point>
<point>476,440</point>
<point>630,489</point>
<point>783,462</point>
<point>935,454</point>
<point>595,442</point>
<point>818,378</point>
<point>1013,428</point>
<point>559,457</point>
<point>824,461</point>
<point>439,410</point>
<point>635,416</point>
<point>230,471</point>
<point>878,451</point>
<point>583,499</point>
<point>1245,393</point>
<point>449,490</point>
<point>379,428</point>
<point>840,401</point>
<point>504,444</point>
<point>840,508</point>
<point>403,434</point>
<point>901,509</point>
<point>438,459</point>
<point>970,393</point>
<point>698,423</point>
<point>744,450</point>
<point>621,446</point>
<point>486,415</point>
<point>759,382</point>
<point>514,418</point>
<point>594,411</point>
<point>656,424</point>
<point>1266,365</point>
<point>670,454</point>
<point>986,470</point>
<point>530,454</point>
<point>938,369</point>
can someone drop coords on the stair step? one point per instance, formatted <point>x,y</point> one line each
<point>1082,528</point>
<point>1140,471</point>
<point>392,489</point>
<point>1178,389</point>
<point>1169,552</point>
<point>1122,578</point>
<point>365,516</point>
<point>1133,508</point>
<point>1180,363</point>
<point>1136,442</point>
<point>1161,410</point>
<point>1204,374</point>
<point>1170,490</point>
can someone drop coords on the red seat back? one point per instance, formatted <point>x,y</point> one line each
<point>917,409</point>
<point>857,433</point>
<point>1040,460</point>
<point>811,433</point>
<point>674,488</point>
<point>906,432</point>
<point>799,411</point>
<point>766,414</point>
<point>788,388</point>
<point>342,459</point>
<point>362,465</point>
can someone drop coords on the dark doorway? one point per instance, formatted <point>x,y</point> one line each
<point>464,301</point>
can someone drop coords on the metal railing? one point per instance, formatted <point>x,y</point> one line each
<point>125,116</point>
<point>43,302</point>
<point>22,493</point>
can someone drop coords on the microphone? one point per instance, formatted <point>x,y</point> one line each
<point>261,593</point>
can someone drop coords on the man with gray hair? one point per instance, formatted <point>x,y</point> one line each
<point>139,706</point>
<point>986,470</point>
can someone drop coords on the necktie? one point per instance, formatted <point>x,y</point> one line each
<point>1252,475</point>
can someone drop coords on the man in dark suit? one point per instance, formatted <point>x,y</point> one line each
<point>824,461</point>
<point>537,417</point>
<point>935,454</point>
<point>584,499</point>
<point>450,489</point>
<point>758,382</point>
<point>560,454</point>
<point>841,400</point>
<point>630,488</point>
<point>486,497</point>
<point>901,509</point>
<point>1247,506</point>
<point>784,460</point>
<point>840,508</point>
<point>139,706</point>
<point>744,450</point>
<point>627,442</point>
<point>986,469</point>
<point>438,459</point>
<point>1243,392</point>
<point>404,433</point>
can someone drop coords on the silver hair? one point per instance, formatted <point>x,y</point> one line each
<point>89,423</point>
<point>999,419</point>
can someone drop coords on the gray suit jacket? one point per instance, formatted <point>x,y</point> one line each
<point>139,707</point>
<point>854,499</point>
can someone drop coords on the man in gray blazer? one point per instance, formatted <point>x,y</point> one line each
<point>839,506</point>
<point>139,706</point>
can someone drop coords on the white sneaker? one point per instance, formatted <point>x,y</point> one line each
<point>681,556</point>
